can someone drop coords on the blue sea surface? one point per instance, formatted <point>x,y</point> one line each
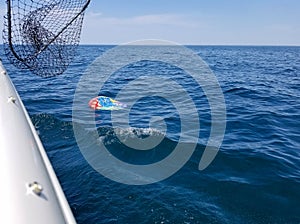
<point>255,177</point>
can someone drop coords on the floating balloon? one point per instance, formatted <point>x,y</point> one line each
<point>105,103</point>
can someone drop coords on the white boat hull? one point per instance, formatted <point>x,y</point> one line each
<point>30,191</point>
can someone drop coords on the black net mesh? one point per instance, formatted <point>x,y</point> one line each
<point>43,35</point>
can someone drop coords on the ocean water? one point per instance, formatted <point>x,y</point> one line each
<point>255,177</point>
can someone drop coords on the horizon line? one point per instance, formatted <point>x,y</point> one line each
<point>193,44</point>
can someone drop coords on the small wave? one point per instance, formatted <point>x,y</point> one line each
<point>119,136</point>
<point>237,89</point>
<point>288,70</point>
<point>129,132</point>
<point>245,92</point>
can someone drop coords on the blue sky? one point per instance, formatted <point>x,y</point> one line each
<point>205,22</point>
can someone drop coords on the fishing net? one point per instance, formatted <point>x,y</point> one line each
<point>42,35</point>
